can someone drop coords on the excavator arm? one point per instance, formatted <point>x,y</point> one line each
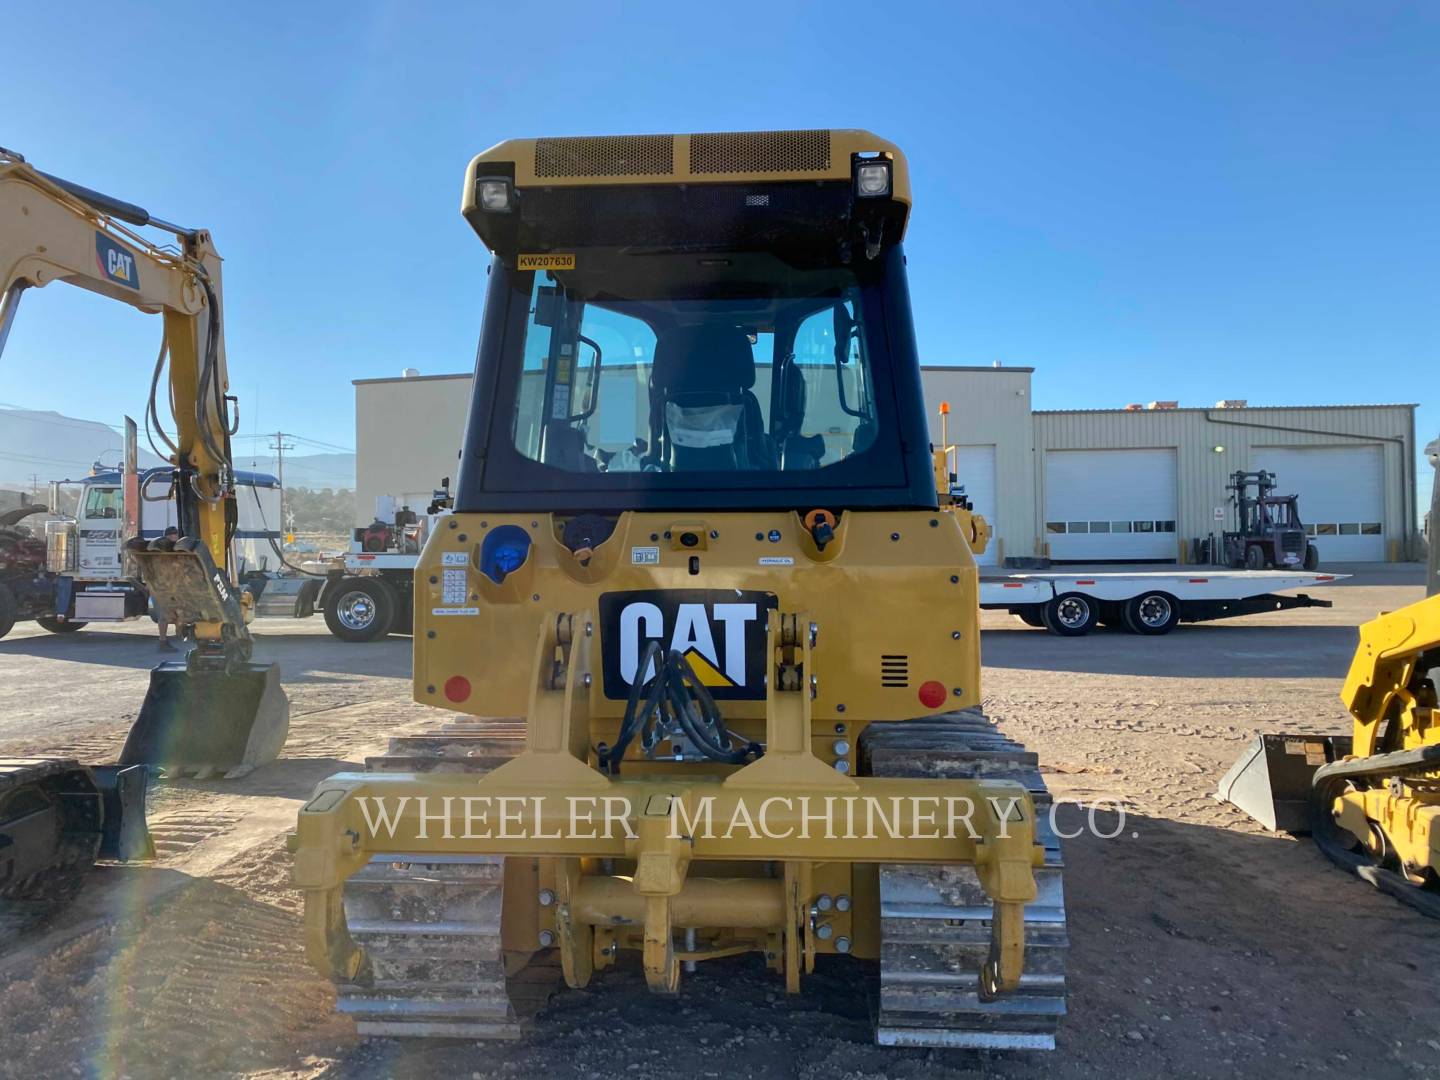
<point>215,711</point>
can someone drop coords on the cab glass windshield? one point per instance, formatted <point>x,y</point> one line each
<point>103,502</point>
<point>695,366</point>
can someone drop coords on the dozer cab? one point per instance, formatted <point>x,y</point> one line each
<point>215,711</point>
<point>708,631</point>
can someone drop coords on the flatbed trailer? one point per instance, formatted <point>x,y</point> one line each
<point>1146,603</point>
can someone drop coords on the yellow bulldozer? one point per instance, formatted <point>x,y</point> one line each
<point>709,627</point>
<point>216,711</point>
<point>1370,799</point>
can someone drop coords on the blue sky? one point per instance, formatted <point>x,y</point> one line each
<point>1142,200</point>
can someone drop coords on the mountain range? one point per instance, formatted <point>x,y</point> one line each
<point>39,446</point>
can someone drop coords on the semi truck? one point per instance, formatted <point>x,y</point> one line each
<point>66,572</point>
<point>367,593</point>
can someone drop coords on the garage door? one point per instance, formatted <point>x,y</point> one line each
<point>975,468</point>
<point>1342,496</point>
<point>1110,504</point>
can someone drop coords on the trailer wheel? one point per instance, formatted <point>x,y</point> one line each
<point>1254,557</point>
<point>1151,613</point>
<point>7,609</point>
<point>1312,558</point>
<point>1070,615</point>
<point>360,609</point>
<point>55,626</point>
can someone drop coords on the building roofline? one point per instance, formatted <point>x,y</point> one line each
<point>468,375</point>
<point>1214,409</point>
<point>977,367</point>
<point>413,378</point>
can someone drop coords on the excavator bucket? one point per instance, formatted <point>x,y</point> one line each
<point>209,713</point>
<point>204,721</point>
<point>1271,780</point>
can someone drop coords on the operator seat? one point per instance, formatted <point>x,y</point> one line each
<point>797,451</point>
<point>703,413</point>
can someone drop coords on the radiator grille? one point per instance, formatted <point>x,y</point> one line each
<point>760,152</point>
<point>895,671</point>
<point>606,155</point>
<point>1291,541</point>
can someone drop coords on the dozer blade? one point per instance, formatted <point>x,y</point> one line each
<point>125,834</point>
<point>1271,780</point>
<point>208,720</point>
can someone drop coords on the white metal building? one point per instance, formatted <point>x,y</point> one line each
<point>1131,484</point>
<point>1144,483</point>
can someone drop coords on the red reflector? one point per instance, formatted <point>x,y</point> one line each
<point>1324,577</point>
<point>1012,584</point>
<point>1085,581</point>
<point>457,688</point>
<point>1199,580</point>
<point>932,694</point>
<point>366,558</point>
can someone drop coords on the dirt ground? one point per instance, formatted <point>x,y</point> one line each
<point>1201,946</point>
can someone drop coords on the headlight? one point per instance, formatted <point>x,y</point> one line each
<point>494,195</point>
<point>872,179</point>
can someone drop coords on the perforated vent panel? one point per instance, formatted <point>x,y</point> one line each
<point>895,671</point>
<point>760,152</point>
<point>606,155</point>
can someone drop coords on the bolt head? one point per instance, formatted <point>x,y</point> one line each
<point>842,944</point>
<point>547,938</point>
<point>823,931</point>
<point>547,897</point>
<point>842,902</point>
<point>824,902</point>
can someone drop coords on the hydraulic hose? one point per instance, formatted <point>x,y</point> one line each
<point>673,696</point>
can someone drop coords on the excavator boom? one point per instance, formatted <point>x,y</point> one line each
<point>216,711</point>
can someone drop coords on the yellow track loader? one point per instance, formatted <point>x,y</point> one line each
<point>1370,799</point>
<point>215,711</point>
<point>710,632</point>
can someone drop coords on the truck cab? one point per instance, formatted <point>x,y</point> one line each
<point>99,526</point>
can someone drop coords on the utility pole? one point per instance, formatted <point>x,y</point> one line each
<point>1432,525</point>
<point>34,483</point>
<point>280,446</point>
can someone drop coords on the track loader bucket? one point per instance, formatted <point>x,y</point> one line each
<point>1271,780</point>
<point>207,720</point>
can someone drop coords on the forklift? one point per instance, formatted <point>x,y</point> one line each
<point>1269,533</point>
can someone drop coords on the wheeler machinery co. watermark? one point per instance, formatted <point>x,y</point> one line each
<point>711,817</point>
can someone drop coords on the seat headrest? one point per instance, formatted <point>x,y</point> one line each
<point>704,358</point>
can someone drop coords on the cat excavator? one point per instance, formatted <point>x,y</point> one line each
<point>215,711</point>
<point>705,608</point>
<point>1369,799</point>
